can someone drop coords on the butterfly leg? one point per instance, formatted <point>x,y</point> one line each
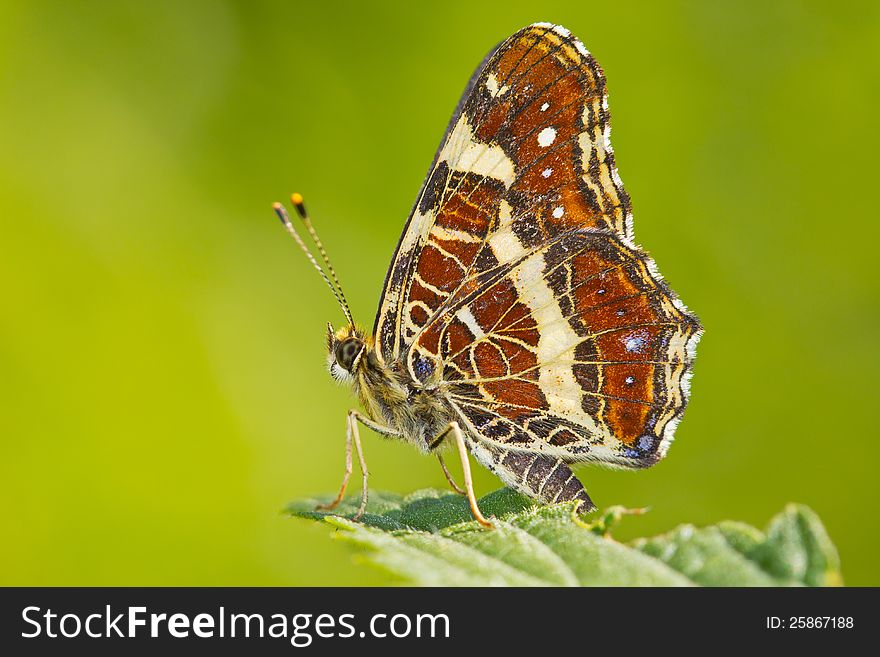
<point>348,467</point>
<point>352,436</point>
<point>365,490</point>
<point>539,476</point>
<point>466,470</point>
<point>458,489</point>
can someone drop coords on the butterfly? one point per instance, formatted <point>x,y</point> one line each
<point>519,321</point>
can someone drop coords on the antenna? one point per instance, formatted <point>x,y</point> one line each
<point>285,219</point>
<point>297,201</point>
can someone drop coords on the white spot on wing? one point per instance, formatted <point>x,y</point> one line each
<point>546,137</point>
<point>544,107</point>
<point>503,242</point>
<point>546,172</point>
<point>505,214</point>
<point>558,211</point>
<point>467,317</point>
<point>635,342</point>
<point>505,245</point>
<point>443,233</point>
<point>492,86</point>
<point>463,152</point>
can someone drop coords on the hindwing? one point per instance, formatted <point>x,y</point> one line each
<point>576,350</point>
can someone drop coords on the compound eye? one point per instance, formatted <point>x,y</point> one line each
<point>347,351</point>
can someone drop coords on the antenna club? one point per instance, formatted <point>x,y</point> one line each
<point>279,211</point>
<point>336,289</point>
<point>297,201</point>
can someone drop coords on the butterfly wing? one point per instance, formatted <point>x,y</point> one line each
<point>516,285</point>
<point>577,350</point>
<point>530,135</point>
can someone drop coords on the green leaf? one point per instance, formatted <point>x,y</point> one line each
<point>429,538</point>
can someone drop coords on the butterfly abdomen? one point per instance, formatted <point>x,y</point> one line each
<point>540,476</point>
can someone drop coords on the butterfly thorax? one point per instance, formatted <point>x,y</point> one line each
<point>388,395</point>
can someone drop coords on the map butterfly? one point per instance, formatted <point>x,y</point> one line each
<point>519,321</point>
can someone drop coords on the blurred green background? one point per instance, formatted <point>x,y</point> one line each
<point>162,354</point>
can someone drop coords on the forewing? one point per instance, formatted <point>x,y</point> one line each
<point>526,157</point>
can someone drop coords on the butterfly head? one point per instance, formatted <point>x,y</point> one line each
<point>346,349</point>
